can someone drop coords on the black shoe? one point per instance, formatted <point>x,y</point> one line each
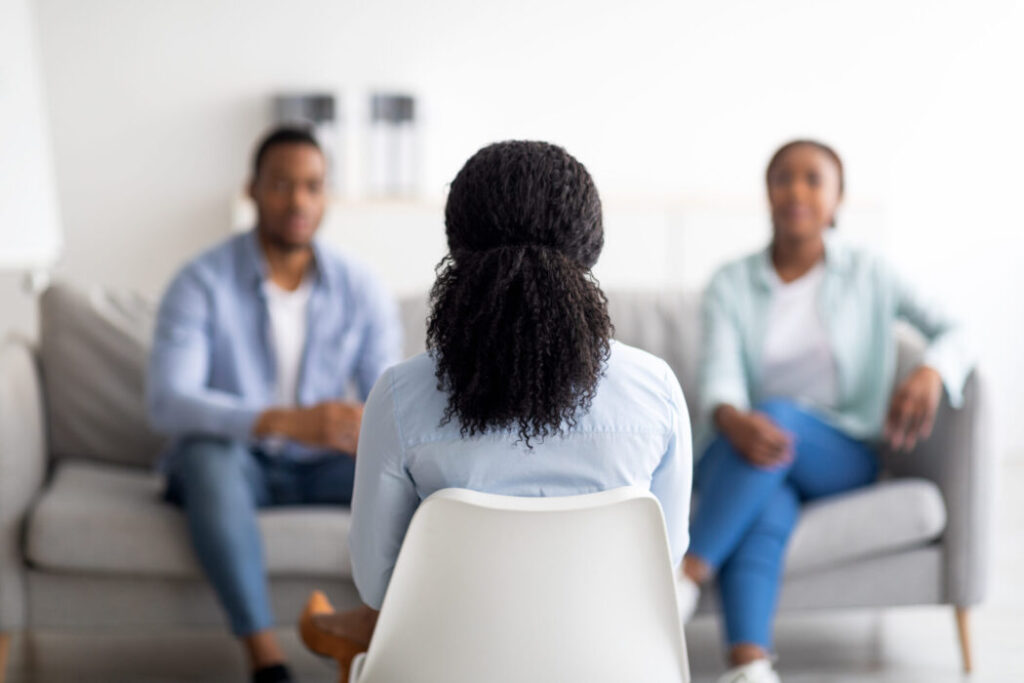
<point>278,673</point>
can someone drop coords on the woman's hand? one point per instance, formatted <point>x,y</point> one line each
<point>912,411</point>
<point>759,440</point>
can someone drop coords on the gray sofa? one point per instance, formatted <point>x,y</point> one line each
<point>85,539</point>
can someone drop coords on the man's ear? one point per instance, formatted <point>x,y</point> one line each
<point>250,189</point>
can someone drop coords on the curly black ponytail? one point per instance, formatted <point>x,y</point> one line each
<point>518,326</point>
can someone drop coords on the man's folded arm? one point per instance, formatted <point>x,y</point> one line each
<point>178,399</point>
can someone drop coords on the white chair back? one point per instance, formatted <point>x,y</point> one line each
<point>562,589</point>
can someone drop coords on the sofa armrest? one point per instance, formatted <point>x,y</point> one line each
<point>23,463</point>
<point>959,458</point>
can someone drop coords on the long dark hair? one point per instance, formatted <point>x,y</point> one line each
<point>518,326</point>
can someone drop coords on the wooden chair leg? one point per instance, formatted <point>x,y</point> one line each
<point>963,629</point>
<point>5,648</point>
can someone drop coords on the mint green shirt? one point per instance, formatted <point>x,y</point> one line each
<point>861,298</point>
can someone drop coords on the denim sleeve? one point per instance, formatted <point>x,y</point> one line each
<point>382,339</point>
<point>178,400</point>
<point>672,480</point>
<point>384,497</point>
<point>722,375</point>
<point>948,351</point>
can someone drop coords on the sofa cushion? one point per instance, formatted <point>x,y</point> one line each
<point>104,519</point>
<point>107,519</point>
<point>93,349</point>
<point>886,517</point>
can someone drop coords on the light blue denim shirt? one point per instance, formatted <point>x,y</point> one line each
<point>636,432</point>
<point>212,369</point>
<point>861,299</point>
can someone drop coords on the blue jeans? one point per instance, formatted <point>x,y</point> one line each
<point>221,484</point>
<point>745,513</point>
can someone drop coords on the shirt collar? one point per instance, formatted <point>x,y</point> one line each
<point>837,260</point>
<point>256,262</point>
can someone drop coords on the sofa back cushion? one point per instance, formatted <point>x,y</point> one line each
<point>667,324</point>
<point>94,345</point>
<point>93,348</point>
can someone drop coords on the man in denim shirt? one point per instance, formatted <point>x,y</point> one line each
<point>257,342</point>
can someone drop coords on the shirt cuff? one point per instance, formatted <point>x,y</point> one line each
<point>953,377</point>
<point>237,423</point>
<point>712,398</point>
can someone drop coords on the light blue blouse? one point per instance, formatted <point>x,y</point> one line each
<point>861,299</point>
<point>636,432</point>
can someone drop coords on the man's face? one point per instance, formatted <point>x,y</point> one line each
<point>289,194</point>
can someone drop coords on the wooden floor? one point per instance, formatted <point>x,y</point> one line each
<point>907,645</point>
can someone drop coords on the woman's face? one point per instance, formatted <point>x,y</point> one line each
<point>803,189</point>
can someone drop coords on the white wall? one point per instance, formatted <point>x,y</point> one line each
<point>674,106</point>
<point>29,234</point>
<point>29,222</point>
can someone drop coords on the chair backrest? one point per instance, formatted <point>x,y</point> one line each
<point>497,588</point>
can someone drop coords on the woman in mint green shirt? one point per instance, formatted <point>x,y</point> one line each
<point>797,391</point>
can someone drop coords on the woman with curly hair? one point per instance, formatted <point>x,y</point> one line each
<point>522,391</point>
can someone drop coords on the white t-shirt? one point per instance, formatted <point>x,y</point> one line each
<point>797,360</point>
<point>288,323</point>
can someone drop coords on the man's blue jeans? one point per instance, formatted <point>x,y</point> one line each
<point>221,484</point>
<point>745,513</point>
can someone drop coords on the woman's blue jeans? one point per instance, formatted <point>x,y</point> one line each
<point>745,513</point>
<point>220,485</point>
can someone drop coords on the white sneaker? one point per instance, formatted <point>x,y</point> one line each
<point>687,596</point>
<point>759,671</point>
